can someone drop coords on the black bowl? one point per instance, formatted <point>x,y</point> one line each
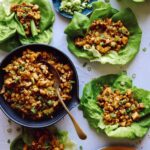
<point>60,113</point>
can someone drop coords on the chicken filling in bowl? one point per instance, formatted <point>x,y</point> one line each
<point>28,15</point>
<point>43,140</point>
<point>104,36</point>
<point>119,108</point>
<point>29,86</point>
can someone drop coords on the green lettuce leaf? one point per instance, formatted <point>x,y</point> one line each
<point>47,15</point>
<point>13,42</point>
<point>13,28</point>
<point>2,12</point>
<point>27,137</point>
<point>44,37</point>
<point>19,27</point>
<point>33,28</point>
<point>6,4</point>
<point>78,27</point>
<point>6,32</point>
<point>7,29</point>
<point>17,144</point>
<point>63,137</point>
<point>94,114</point>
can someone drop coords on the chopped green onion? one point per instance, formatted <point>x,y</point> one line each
<point>33,110</point>
<point>113,115</point>
<point>17,80</point>
<point>128,110</point>
<point>133,107</point>
<point>101,43</point>
<point>50,102</point>
<point>71,81</point>
<point>21,67</point>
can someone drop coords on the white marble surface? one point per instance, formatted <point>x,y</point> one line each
<point>139,67</point>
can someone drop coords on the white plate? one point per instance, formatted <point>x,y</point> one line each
<point>139,66</point>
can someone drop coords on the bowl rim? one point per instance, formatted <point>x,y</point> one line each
<point>45,124</point>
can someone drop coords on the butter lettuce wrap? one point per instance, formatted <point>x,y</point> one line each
<point>27,138</point>
<point>12,29</point>
<point>80,24</point>
<point>94,114</point>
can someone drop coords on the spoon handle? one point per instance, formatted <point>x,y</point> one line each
<point>79,131</point>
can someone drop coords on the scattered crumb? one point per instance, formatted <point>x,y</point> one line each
<point>8,141</point>
<point>89,68</point>
<point>84,65</point>
<point>133,76</point>
<point>144,49</point>
<point>9,121</point>
<point>18,129</point>
<point>80,148</point>
<point>9,130</point>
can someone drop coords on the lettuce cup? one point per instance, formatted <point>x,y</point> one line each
<point>24,22</point>
<point>112,105</point>
<point>108,36</point>
<point>44,138</point>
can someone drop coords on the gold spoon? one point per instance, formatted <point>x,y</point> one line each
<point>79,131</point>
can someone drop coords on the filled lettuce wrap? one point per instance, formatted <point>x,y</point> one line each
<point>108,36</point>
<point>25,22</point>
<point>112,104</point>
<point>47,139</point>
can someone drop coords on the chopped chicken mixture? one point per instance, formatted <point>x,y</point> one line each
<point>104,36</point>
<point>29,86</point>
<point>118,108</point>
<point>43,140</point>
<point>27,14</point>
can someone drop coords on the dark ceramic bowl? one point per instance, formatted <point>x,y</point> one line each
<point>57,3</point>
<point>60,113</point>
